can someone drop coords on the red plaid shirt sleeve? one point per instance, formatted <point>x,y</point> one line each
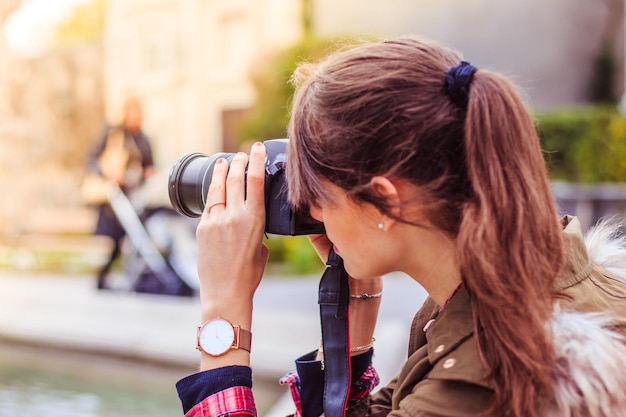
<point>231,402</point>
<point>238,401</point>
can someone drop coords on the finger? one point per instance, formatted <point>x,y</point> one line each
<point>235,186</point>
<point>217,189</point>
<point>255,199</point>
<point>322,246</point>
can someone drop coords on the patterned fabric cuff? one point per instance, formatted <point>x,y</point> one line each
<point>196,387</point>
<point>361,386</point>
<point>231,402</point>
<point>293,381</point>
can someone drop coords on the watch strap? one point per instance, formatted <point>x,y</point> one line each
<point>243,339</point>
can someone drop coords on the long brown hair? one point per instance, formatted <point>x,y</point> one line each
<point>384,109</point>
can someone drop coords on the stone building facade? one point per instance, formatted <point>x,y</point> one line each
<point>190,61</point>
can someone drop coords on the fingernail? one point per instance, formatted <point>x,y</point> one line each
<point>258,144</point>
<point>219,161</point>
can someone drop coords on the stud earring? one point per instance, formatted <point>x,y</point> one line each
<point>381,226</point>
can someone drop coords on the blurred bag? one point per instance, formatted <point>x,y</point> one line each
<point>95,189</point>
<point>112,162</point>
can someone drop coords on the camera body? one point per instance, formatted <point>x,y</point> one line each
<point>190,177</point>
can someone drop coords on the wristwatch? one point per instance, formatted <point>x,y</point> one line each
<point>218,336</point>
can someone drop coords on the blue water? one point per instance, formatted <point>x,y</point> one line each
<point>39,383</point>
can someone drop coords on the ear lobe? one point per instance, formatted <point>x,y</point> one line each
<point>384,187</point>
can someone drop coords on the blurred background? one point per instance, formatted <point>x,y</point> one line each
<point>212,75</point>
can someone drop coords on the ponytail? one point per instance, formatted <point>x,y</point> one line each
<point>509,245</point>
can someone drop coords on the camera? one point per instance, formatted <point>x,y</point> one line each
<point>190,177</point>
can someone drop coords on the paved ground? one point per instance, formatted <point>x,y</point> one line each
<point>66,312</point>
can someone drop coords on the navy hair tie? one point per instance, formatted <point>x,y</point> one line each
<point>458,79</point>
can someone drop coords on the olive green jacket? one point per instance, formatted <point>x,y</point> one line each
<point>444,375</point>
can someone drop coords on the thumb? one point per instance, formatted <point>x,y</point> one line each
<point>322,246</point>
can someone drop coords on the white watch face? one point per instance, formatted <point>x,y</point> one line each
<point>217,337</point>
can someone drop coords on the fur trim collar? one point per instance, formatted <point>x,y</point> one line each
<point>590,374</point>
<point>590,377</point>
<point>606,246</point>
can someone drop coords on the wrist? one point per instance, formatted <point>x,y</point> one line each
<point>366,296</point>
<point>234,357</point>
<point>222,302</point>
<point>236,310</point>
<point>358,349</point>
<point>370,286</point>
<point>363,315</point>
<point>354,350</point>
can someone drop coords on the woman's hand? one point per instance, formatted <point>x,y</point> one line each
<point>231,253</point>
<point>322,246</point>
<point>364,310</point>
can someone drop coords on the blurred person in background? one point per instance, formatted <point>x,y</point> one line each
<point>123,155</point>
<point>417,161</point>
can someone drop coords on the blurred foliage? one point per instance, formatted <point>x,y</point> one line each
<point>269,116</point>
<point>586,144</point>
<point>85,24</point>
<point>294,254</point>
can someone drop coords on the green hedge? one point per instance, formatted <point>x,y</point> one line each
<point>585,144</point>
<point>269,116</point>
<point>292,255</point>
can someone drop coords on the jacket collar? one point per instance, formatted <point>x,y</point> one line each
<point>451,327</point>
<point>577,266</point>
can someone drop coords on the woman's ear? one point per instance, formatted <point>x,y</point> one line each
<point>385,188</point>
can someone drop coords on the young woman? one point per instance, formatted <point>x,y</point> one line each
<point>417,161</point>
<point>122,155</point>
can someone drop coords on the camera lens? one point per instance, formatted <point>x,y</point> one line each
<point>191,175</point>
<point>189,182</point>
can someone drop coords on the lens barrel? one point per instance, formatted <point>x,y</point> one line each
<point>191,175</point>
<point>189,182</point>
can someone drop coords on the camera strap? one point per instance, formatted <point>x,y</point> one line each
<point>334,300</point>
